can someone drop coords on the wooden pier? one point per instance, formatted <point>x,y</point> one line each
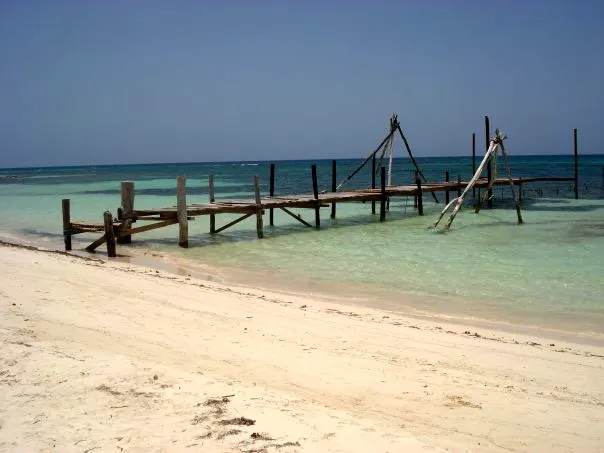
<point>121,228</point>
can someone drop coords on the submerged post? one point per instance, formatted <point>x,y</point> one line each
<point>181,212</point>
<point>373,182</point>
<point>473,160</point>
<point>66,223</point>
<point>259,225</point>
<point>109,234</point>
<point>212,198</point>
<point>487,135</point>
<point>420,199</point>
<point>447,191</point>
<point>333,187</point>
<point>271,193</point>
<point>315,193</point>
<point>576,155</point>
<point>383,194</point>
<point>127,196</point>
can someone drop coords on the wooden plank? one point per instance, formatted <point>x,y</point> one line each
<point>65,206</point>
<point>181,201</point>
<point>259,225</point>
<point>212,197</point>
<point>127,205</point>
<point>315,192</point>
<point>234,222</point>
<point>149,227</point>
<point>109,235</point>
<point>298,218</point>
<point>271,192</point>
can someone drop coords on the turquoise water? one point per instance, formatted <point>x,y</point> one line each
<point>546,272</point>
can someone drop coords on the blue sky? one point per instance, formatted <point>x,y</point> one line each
<point>101,82</point>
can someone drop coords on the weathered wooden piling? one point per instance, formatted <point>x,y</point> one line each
<point>415,196</point>
<point>420,199</point>
<point>373,182</point>
<point>520,189</point>
<point>487,137</point>
<point>315,193</point>
<point>576,160</point>
<point>271,193</point>
<point>181,210</point>
<point>212,198</point>
<point>258,200</point>
<point>447,192</point>
<point>383,194</point>
<point>109,234</point>
<point>127,205</point>
<point>65,205</point>
<point>333,186</point>
<point>473,160</point>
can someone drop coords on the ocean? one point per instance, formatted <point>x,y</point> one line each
<point>547,272</point>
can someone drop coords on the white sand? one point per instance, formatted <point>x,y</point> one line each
<point>105,357</point>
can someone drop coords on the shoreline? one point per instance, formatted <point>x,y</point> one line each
<point>422,307</point>
<point>101,354</point>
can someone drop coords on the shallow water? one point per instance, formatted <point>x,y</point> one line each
<point>546,272</point>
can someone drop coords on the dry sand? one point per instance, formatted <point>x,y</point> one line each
<point>108,357</point>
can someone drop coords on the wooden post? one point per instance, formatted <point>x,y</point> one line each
<point>420,200</point>
<point>490,167</point>
<point>459,185</point>
<point>109,234</point>
<point>576,155</point>
<point>66,223</point>
<point>212,198</point>
<point>259,225</point>
<point>473,160</point>
<point>333,187</point>
<point>315,193</point>
<point>383,192</point>
<point>181,207</point>
<point>373,182</point>
<point>271,193</point>
<point>520,189</point>
<point>127,196</point>
<point>447,192</point>
<point>415,197</point>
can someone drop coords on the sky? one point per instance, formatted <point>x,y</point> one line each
<point>118,82</point>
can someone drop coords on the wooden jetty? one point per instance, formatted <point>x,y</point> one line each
<point>121,228</point>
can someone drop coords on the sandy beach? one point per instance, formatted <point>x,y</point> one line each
<point>103,356</point>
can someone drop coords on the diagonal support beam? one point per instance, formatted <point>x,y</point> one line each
<point>299,219</point>
<point>234,222</point>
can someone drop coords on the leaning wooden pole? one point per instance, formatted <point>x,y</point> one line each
<point>109,234</point>
<point>181,209</point>
<point>315,193</point>
<point>458,201</point>
<point>576,160</point>
<point>487,138</point>
<point>127,204</point>
<point>400,131</point>
<point>258,200</point>
<point>511,181</point>
<point>65,205</point>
